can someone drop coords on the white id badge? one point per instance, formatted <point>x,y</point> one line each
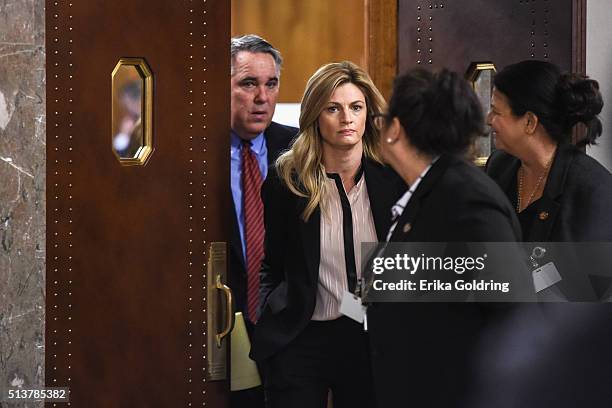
<point>545,276</point>
<point>351,307</point>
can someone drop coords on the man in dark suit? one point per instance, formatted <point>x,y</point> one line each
<point>256,142</point>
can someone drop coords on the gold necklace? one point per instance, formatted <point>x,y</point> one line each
<point>519,201</point>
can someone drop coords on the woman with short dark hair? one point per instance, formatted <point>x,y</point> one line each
<point>432,120</point>
<point>423,352</point>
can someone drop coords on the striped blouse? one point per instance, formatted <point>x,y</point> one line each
<point>339,211</point>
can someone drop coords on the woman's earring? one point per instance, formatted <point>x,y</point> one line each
<point>389,140</point>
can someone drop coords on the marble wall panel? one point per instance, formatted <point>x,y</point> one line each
<point>22,195</point>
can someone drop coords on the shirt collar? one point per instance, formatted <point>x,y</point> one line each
<point>257,144</point>
<point>398,208</point>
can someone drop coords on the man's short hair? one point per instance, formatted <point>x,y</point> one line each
<point>254,43</point>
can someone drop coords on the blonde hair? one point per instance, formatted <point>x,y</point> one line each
<point>301,167</point>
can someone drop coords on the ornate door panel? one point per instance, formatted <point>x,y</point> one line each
<point>459,34</point>
<point>127,243</point>
<point>452,34</point>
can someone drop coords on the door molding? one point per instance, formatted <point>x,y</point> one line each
<point>381,43</point>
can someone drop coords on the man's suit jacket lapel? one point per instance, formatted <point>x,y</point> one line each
<point>549,205</point>
<point>276,142</point>
<point>403,229</point>
<point>236,243</point>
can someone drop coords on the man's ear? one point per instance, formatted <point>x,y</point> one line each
<point>532,122</point>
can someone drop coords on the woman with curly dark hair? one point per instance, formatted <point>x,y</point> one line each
<point>552,354</point>
<point>560,193</point>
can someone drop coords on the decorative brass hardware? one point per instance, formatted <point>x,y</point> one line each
<point>229,311</point>
<point>480,75</point>
<point>220,320</point>
<point>132,111</point>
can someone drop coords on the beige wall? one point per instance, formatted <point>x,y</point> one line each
<point>308,33</point>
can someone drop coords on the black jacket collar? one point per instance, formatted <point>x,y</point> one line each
<point>557,176</point>
<point>549,205</point>
<point>382,192</point>
<point>424,188</point>
<point>277,141</point>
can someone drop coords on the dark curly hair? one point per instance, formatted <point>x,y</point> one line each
<point>559,100</point>
<point>439,111</point>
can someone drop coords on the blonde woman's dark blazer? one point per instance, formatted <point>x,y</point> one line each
<point>290,269</point>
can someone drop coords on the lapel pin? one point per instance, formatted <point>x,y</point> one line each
<point>543,215</point>
<point>407,227</point>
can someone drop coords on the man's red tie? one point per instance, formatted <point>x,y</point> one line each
<point>253,225</point>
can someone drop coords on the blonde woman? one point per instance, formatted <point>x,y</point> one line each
<point>327,194</point>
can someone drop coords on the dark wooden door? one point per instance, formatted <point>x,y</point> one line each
<point>458,34</point>
<point>127,246</point>
<point>453,34</point>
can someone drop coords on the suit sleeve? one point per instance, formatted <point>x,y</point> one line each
<point>592,219</point>
<point>274,201</point>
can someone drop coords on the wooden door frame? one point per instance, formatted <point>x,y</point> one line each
<point>579,14</point>
<point>381,43</point>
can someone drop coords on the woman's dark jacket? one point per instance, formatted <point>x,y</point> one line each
<point>557,354</point>
<point>290,269</point>
<point>576,204</point>
<point>425,354</point>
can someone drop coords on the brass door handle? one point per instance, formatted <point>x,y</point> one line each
<point>229,311</point>
<point>219,316</point>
